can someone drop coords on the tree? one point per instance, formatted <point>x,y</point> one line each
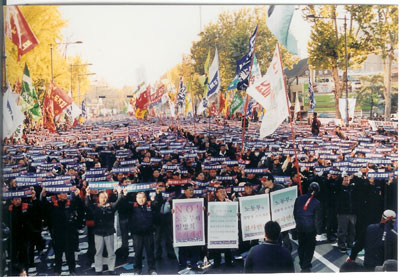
<point>382,31</point>
<point>39,59</point>
<point>231,36</point>
<point>326,47</point>
<point>371,91</point>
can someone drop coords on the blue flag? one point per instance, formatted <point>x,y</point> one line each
<point>244,63</point>
<point>311,95</point>
<point>181,92</point>
<point>233,84</point>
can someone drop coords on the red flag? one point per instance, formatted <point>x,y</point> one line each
<point>221,102</point>
<point>144,98</point>
<point>60,99</point>
<point>213,110</point>
<point>48,113</point>
<point>18,31</point>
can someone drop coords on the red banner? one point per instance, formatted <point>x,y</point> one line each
<point>213,110</point>
<point>156,97</point>
<point>18,31</point>
<point>48,113</point>
<point>60,99</point>
<point>144,98</point>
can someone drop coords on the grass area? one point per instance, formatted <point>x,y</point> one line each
<point>326,102</point>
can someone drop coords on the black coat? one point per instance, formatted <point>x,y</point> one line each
<point>307,220</point>
<point>380,244</point>
<point>144,216</point>
<point>269,258</point>
<point>347,199</point>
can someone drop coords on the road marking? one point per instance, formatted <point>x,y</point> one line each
<point>322,259</point>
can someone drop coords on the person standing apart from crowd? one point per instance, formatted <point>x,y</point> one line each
<point>270,256</point>
<point>104,230</point>
<point>307,214</point>
<point>315,125</point>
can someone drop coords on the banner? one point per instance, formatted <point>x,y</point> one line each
<point>142,102</point>
<point>282,205</point>
<point>17,29</point>
<point>270,92</point>
<point>278,22</point>
<point>214,81</point>
<point>254,213</point>
<point>222,225</point>
<point>343,105</point>
<point>156,97</point>
<point>385,124</point>
<point>60,99</point>
<point>48,113</point>
<point>188,222</point>
<point>103,185</point>
<point>243,64</point>
<point>236,103</point>
<point>28,99</point>
<point>12,114</point>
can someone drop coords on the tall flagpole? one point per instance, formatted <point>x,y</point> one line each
<point>291,126</point>
<point>247,98</point>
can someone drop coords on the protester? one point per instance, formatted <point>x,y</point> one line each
<point>143,215</point>
<point>269,257</point>
<point>315,125</point>
<point>103,229</point>
<point>307,214</point>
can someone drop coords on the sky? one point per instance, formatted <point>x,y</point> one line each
<point>129,44</point>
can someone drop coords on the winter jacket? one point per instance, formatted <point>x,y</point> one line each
<point>307,219</point>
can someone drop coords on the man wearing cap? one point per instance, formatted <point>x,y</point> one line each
<point>307,214</point>
<point>380,242</point>
<point>268,185</point>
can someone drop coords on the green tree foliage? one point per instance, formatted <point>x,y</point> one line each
<point>381,30</point>
<point>231,34</point>
<point>371,91</point>
<point>327,43</point>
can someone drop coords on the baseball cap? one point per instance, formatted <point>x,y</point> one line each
<point>267,177</point>
<point>388,215</point>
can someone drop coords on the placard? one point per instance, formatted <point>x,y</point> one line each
<point>282,205</point>
<point>188,222</point>
<point>254,213</point>
<point>222,227</point>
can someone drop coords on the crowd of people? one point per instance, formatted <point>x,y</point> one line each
<point>355,171</point>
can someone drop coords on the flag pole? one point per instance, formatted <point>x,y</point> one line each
<point>291,126</point>
<point>247,98</point>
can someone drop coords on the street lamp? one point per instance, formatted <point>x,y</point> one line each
<point>79,85</point>
<point>71,65</point>
<point>65,54</point>
<point>345,59</point>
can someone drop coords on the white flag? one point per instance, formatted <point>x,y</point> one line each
<point>13,117</point>
<point>297,105</point>
<point>270,92</point>
<point>214,81</point>
<point>343,110</point>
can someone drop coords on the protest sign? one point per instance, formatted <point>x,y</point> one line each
<point>254,213</point>
<point>282,205</point>
<point>222,228</point>
<point>188,222</point>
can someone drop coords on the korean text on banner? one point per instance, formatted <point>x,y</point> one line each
<point>188,222</point>
<point>222,228</point>
<point>254,213</point>
<point>282,205</point>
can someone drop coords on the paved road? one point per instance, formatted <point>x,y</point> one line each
<point>327,258</point>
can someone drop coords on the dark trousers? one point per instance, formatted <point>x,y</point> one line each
<point>19,252</point>
<point>124,228</point>
<point>306,248</point>
<point>164,231</point>
<point>144,241</point>
<point>287,243</point>
<point>216,255</point>
<point>331,220</point>
<point>189,253</point>
<point>62,245</point>
<point>35,240</point>
<point>91,246</point>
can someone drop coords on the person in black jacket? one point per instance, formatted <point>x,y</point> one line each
<point>143,215</point>
<point>104,230</point>
<point>64,223</point>
<point>380,242</point>
<point>346,207</point>
<point>307,214</point>
<point>269,257</point>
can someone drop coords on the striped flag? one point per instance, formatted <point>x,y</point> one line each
<point>311,95</point>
